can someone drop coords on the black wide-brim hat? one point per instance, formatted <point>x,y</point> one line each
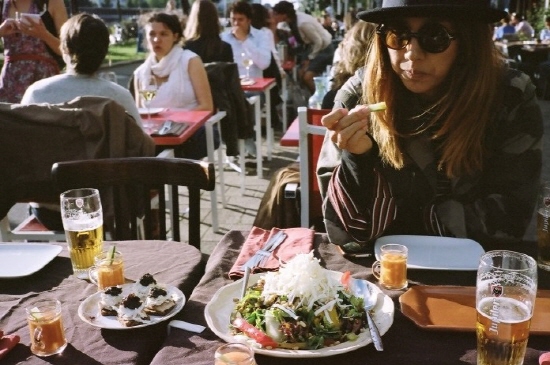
<point>472,10</point>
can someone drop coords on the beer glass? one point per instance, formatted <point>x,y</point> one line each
<point>543,229</point>
<point>506,289</point>
<point>83,223</point>
<point>46,327</point>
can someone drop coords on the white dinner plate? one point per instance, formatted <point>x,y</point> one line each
<point>217,313</point>
<point>23,259</point>
<point>89,311</point>
<point>435,252</point>
<point>143,111</point>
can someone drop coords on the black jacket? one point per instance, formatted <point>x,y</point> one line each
<point>228,96</point>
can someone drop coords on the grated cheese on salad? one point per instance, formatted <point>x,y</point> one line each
<point>303,278</point>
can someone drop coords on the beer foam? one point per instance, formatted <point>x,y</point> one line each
<point>83,224</point>
<point>507,310</point>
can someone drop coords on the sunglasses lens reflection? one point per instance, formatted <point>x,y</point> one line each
<point>432,38</point>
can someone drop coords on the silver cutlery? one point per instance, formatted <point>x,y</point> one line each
<point>165,127</point>
<point>361,289</point>
<point>246,277</point>
<point>262,254</point>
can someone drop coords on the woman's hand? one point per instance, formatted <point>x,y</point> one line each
<point>348,129</point>
<point>33,29</point>
<point>8,26</point>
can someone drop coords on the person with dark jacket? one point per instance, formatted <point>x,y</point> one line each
<point>457,151</point>
<point>202,33</point>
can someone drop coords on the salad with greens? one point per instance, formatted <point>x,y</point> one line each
<point>301,306</point>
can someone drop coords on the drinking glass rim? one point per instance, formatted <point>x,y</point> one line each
<point>91,192</point>
<point>51,304</point>
<point>530,261</point>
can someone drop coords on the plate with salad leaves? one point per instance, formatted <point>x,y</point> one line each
<point>324,317</point>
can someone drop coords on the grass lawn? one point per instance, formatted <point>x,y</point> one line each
<point>124,52</point>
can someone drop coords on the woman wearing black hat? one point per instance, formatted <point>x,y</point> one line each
<point>456,153</point>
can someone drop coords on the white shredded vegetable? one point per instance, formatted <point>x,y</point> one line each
<point>303,278</point>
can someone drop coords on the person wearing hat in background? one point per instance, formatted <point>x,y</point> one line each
<point>457,151</point>
<point>309,33</point>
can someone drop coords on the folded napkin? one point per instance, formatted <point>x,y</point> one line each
<point>298,240</point>
<point>7,342</point>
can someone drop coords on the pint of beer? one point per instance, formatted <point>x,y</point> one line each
<point>83,223</point>
<point>505,297</point>
<point>543,227</point>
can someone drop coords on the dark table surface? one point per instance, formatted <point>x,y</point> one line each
<point>171,263</point>
<point>404,343</point>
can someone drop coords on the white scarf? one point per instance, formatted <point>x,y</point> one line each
<point>166,65</point>
<point>169,93</point>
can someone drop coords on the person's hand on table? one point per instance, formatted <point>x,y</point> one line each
<point>348,129</point>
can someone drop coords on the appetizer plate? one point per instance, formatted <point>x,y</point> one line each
<point>217,313</point>
<point>453,308</point>
<point>435,252</point>
<point>19,260</point>
<point>154,111</point>
<point>89,311</point>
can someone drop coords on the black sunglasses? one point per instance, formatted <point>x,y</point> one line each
<point>432,37</point>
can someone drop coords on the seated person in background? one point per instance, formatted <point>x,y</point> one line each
<point>315,40</point>
<point>261,20</point>
<point>351,56</point>
<point>84,45</point>
<point>522,26</point>
<point>248,43</point>
<point>179,73</point>
<point>504,29</point>
<point>202,33</point>
<point>436,161</point>
<point>544,35</point>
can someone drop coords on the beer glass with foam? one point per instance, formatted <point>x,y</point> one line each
<point>506,289</point>
<point>543,227</point>
<point>83,223</point>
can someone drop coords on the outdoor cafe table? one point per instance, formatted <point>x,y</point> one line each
<point>404,343</point>
<point>171,263</point>
<point>194,118</point>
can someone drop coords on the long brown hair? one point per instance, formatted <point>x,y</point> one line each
<point>462,114</point>
<point>352,52</point>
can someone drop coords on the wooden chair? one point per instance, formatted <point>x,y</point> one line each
<point>312,134</point>
<point>133,181</point>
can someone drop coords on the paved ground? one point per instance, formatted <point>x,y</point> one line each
<point>240,210</point>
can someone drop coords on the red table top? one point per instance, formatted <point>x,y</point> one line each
<point>260,84</point>
<point>291,138</point>
<point>195,119</point>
